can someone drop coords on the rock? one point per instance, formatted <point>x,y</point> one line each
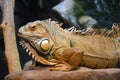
<point>88,22</point>
<point>44,73</point>
<point>66,12</point>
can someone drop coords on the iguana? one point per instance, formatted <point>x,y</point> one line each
<point>49,44</point>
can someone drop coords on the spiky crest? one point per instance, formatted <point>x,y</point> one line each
<point>114,33</point>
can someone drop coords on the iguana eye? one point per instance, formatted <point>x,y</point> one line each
<point>44,44</point>
<point>32,28</point>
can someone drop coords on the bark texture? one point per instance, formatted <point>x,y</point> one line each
<point>7,25</point>
<point>43,73</point>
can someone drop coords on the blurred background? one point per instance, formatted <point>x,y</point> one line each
<point>78,13</point>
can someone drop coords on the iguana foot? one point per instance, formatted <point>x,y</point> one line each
<point>62,67</point>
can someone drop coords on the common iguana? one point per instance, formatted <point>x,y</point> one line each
<point>49,44</point>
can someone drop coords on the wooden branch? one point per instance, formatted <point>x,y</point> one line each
<point>11,51</point>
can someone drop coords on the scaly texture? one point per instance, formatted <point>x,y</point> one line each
<point>49,44</point>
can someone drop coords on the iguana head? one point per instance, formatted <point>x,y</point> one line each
<point>37,39</point>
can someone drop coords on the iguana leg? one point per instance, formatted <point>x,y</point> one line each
<point>74,58</point>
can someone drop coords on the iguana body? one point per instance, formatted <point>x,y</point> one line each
<point>51,45</point>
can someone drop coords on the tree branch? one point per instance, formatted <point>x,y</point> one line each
<point>11,51</point>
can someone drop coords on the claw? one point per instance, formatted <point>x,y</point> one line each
<point>62,67</point>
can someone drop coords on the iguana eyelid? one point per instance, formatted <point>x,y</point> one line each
<point>32,28</point>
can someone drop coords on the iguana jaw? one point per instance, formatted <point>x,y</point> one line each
<point>29,49</point>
